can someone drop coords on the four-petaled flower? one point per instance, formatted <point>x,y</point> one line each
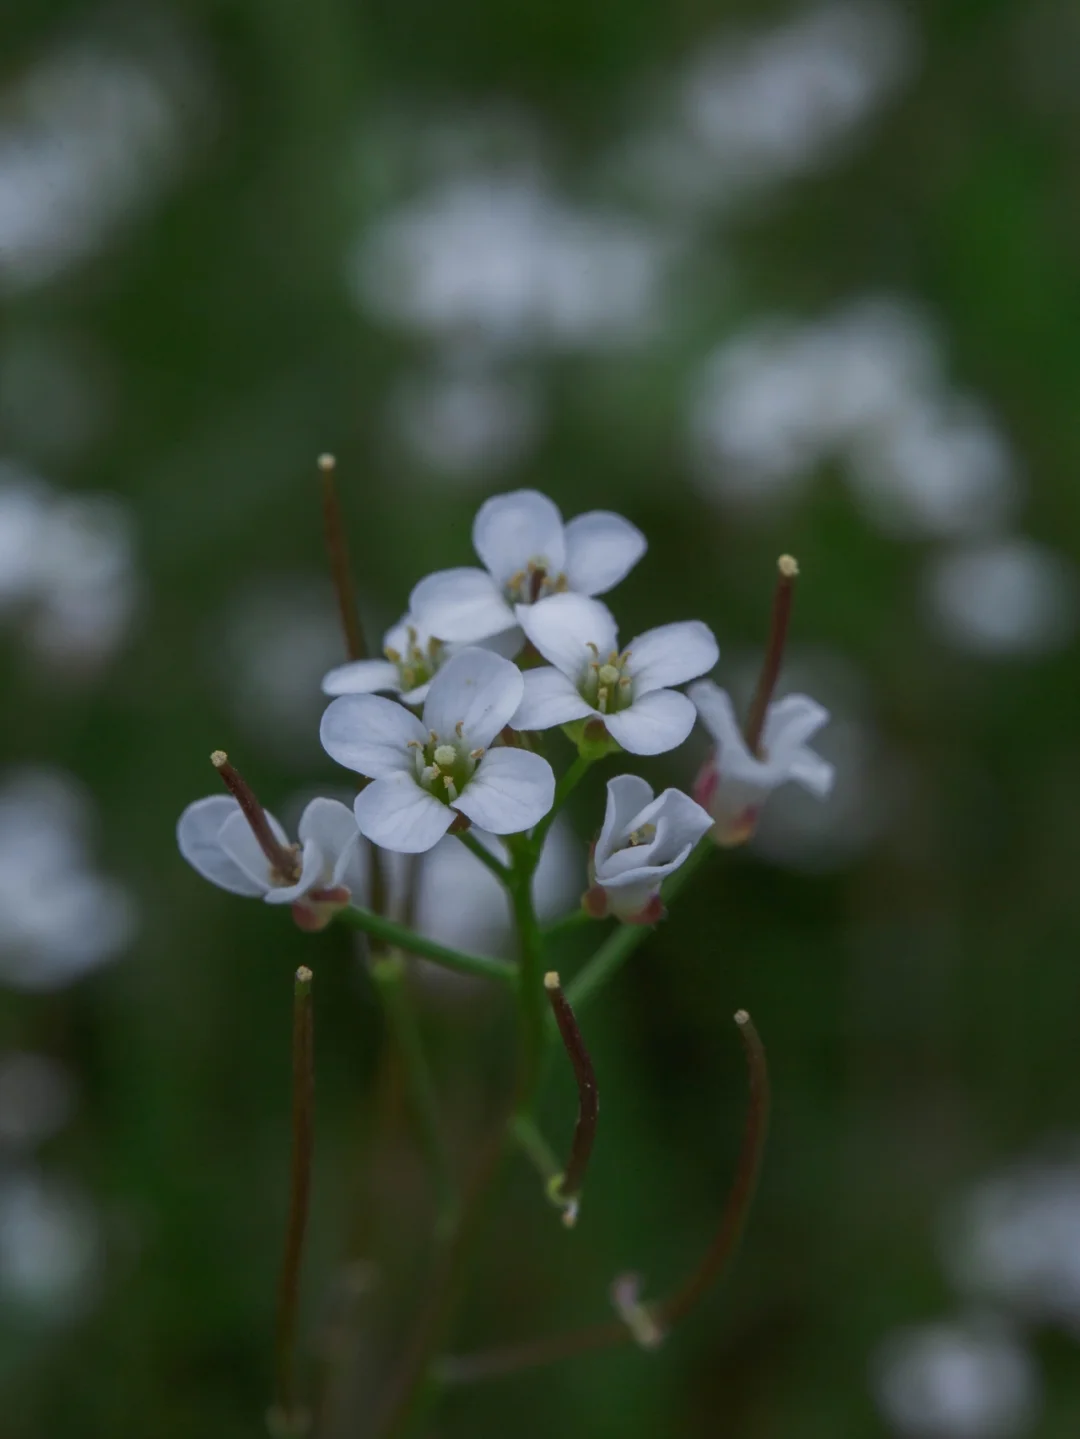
<point>316,877</point>
<point>643,841</point>
<point>734,784</point>
<point>413,655</point>
<point>626,690</point>
<point>528,554</point>
<point>426,773</point>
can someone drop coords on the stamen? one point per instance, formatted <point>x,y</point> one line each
<point>282,859</point>
<point>595,649</point>
<point>413,744</point>
<point>459,727</point>
<point>394,656</point>
<point>411,632</point>
<point>536,587</point>
<point>783,596</point>
<point>451,787</point>
<point>430,774</point>
<point>477,753</point>
<point>602,698</point>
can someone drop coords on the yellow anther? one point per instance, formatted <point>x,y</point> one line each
<point>476,753</point>
<point>602,698</point>
<point>459,727</point>
<point>595,648</point>
<point>394,656</point>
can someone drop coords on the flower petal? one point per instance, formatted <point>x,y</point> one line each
<point>396,813</point>
<point>313,875</point>
<point>510,530</point>
<point>657,722</point>
<point>370,735</point>
<point>627,796</point>
<point>197,834</point>
<point>550,699</point>
<point>511,790</point>
<point>671,655</point>
<point>478,690</point>
<point>463,604</point>
<point>679,821</point>
<point>332,825</point>
<point>563,626</point>
<point>238,842</point>
<point>812,772</point>
<point>789,723</point>
<point>361,677</point>
<point>717,714</point>
<point>601,549</point>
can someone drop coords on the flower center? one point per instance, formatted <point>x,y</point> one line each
<point>445,765</point>
<point>535,582</point>
<point>607,684</point>
<point>642,835</point>
<point>419,662</point>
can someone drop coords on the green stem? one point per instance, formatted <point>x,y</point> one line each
<point>486,858</point>
<point>390,979</point>
<point>413,943</point>
<point>527,1136</point>
<point>620,945</point>
<point>532,1006</point>
<point>566,925</point>
<point>568,781</point>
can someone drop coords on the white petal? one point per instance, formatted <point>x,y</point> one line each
<point>332,825</point>
<point>670,655</point>
<point>238,842</point>
<point>649,875</point>
<point>717,714</point>
<point>370,735</point>
<point>510,530</point>
<point>313,875</point>
<point>397,814</point>
<point>508,643</point>
<point>361,677</point>
<point>657,722</point>
<point>627,795</point>
<point>197,834</point>
<point>511,790</point>
<point>464,605</point>
<point>549,699</point>
<point>601,550</point>
<point>626,900</point>
<point>812,772</point>
<point>415,697</point>
<point>790,723</point>
<point>409,630</point>
<point>679,821</point>
<point>478,690</point>
<point>563,626</point>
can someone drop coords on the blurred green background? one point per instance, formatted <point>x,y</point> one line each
<point>763,279</point>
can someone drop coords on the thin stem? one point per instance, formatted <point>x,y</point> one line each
<point>568,782</point>
<point>486,858</point>
<point>573,1179</point>
<point>286,1417</point>
<point>657,1319</point>
<point>281,858</point>
<point>481,965</point>
<point>390,978</point>
<point>620,945</point>
<point>741,1197</point>
<point>337,551</point>
<point>527,1135</point>
<point>787,573</point>
<point>553,932</point>
<point>531,1008</point>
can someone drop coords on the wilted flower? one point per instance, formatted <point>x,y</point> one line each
<point>627,691</point>
<point>426,773</point>
<point>316,877</point>
<point>735,782</point>
<point>528,554</point>
<point>643,840</point>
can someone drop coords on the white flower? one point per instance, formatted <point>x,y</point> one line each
<point>215,839</point>
<point>413,654</point>
<point>628,690</point>
<point>643,841</point>
<point>425,773</point>
<point>735,783</point>
<point>528,554</point>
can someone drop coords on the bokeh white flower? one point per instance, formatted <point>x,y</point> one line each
<point>735,783</point>
<point>428,772</point>
<point>644,838</point>
<point>589,677</point>
<point>528,554</point>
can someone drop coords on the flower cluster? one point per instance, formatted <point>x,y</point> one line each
<point>444,727</point>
